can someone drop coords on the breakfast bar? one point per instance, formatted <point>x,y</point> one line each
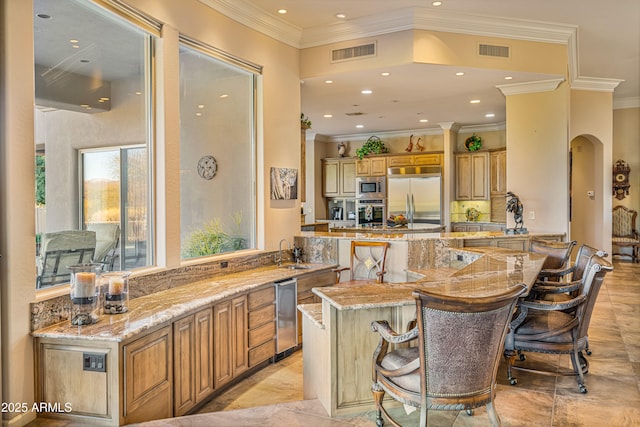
<point>338,339</point>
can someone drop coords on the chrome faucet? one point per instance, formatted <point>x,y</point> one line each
<point>279,255</point>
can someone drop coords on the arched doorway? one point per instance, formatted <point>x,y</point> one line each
<point>586,194</point>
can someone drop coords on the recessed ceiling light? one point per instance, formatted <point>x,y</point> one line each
<point>138,93</point>
<point>75,46</point>
<point>385,74</point>
<point>341,15</point>
<point>437,3</point>
<point>282,11</point>
<point>459,73</point>
<point>489,115</point>
<point>201,106</point>
<point>366,92</point>
<point>423,120</point>
<point>73,41</point>
<point>508,78</point>
<point>328,116</point>
<point>328,81</point>
<point>359,126</point>
<point>198,114</point>
<point>224,95</point>
<point>474,101</point>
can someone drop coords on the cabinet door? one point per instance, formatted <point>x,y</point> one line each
<point>203,379</point>
<point>305,283</point>
<point>480,176</point>
<point>240,335</point>
<point>184,394</point>
<point>363,167</point>
<point>378,166</point>
<point>348,178</point>
<point>498,172</point>
<point>400,160</point>
<point>148,377</point>
<point>428,159</point>
<point>463,177</point>
<point>223,343</point>
<point>330,178</point>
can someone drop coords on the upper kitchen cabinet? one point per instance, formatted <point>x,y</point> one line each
<point>339,177</point>
<point>498,172</point>
<point>371,166</point>
<point>427,159</point>
<point>472,176</point>
<point>498,185</point>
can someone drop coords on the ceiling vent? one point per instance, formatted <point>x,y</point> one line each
<point>358,113</point>
<point>354,52</point>
<point>494,51</point>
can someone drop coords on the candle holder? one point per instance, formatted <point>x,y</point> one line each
<point>116,294</point>
<point>85,293</point>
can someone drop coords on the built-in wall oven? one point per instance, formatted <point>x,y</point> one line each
<point>370,213</point>
<point>371,199</point>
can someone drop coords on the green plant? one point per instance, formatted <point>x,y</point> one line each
<point>213,239</point>
<point>40,181</point>
<point>372,145</point>
<point>473,143</point>
<point>304,121</point>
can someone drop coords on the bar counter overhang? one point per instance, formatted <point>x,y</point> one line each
<point>338,339</point>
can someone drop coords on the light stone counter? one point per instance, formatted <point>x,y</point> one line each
<point>337,368</point>
<point>162,307</point>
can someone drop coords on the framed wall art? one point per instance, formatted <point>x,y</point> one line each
<point>284,183</point>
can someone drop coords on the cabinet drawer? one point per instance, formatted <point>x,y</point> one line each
<point>262,316</point>
<point>262,352</point>
<point>262,334</point>
<point>263,297</point>
<point>427,159</point>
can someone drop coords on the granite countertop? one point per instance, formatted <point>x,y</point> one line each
<point>163,307</point>
<point>364,235</point>
<point>492,271</point>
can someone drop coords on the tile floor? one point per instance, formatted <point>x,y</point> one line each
<point>273,396</point>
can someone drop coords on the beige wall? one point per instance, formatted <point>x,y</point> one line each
<point>278,141</point>
<point>626,146</point>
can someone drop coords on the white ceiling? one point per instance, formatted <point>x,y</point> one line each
<point>603,40</point>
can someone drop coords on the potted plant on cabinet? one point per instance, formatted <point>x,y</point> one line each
<point>372,145</point>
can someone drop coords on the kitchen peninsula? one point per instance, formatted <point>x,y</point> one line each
<point>338,339</point>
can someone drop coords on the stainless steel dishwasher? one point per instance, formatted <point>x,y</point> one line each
<point>286,315</point>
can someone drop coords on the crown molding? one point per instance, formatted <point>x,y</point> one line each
<point>595,84</point>
<point>631,102</point>
<point>530,87</point>
<point>258,19</point>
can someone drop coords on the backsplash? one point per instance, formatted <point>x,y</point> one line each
<point>56,310</point>
<point>459,209</point>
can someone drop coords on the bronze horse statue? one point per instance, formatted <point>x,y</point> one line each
<point>515,206</point>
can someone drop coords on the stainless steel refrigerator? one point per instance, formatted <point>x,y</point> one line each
<point>415,192</point>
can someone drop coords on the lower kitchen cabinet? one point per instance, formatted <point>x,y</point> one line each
<point>306,296</point>
<point>262,325</point>
<point>230,338</point>
<point>193,360</point>
<point>148,377</point>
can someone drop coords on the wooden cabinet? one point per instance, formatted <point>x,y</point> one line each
<point>306,296</point>
<point>428,159</point>
<point>230,339</point>
<point>148,377</point>
<point>371,166</point>
<point>262,325</point>
<point>498,169</point>
<point>193,360</point>
<point>472,176</point>
<point>498,186</point>
<point>476,226</point>
<point>339,177</point>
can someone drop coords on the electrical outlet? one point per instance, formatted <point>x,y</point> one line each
<point>224,264</point>
<point>95,362</point>
<point>532,214</point>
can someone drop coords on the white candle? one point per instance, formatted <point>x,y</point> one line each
<point>85,285</point>
<point>116,285</point>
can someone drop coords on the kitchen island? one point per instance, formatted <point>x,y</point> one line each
<point>339,343</point>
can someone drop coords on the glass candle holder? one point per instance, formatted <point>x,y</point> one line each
<point>116,292</point>
<point>85,293</point>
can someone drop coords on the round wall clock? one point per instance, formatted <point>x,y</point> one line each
<point>207,167</point>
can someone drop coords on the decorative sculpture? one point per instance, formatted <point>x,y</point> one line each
<point>342,148</point>
<point>410,146</point>
<point>418,146</point>
<point>515,206</point>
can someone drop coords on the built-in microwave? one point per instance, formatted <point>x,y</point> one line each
<point>371,187</point>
